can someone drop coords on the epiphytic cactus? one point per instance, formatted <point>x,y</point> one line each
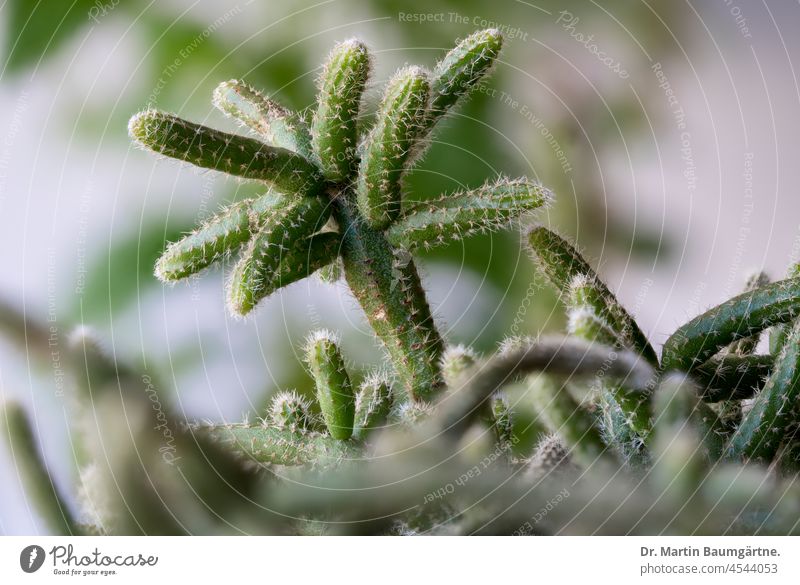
<point>703,439</point>
<point>329,170</point>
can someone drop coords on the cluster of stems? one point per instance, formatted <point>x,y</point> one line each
<point>334,194</point>
<point>682,442</point>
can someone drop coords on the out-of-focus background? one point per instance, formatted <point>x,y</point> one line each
<point>669,132</point>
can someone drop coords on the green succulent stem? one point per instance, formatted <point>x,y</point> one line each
<point>777,334</point>
<point>562,357</point>
<point>680,460</point>
<point>678,408</point>
<point>626,415</point>
<point>269,120</point>
<point>283,249</point>
<point>389,290</point>
<point>227,153</point>
<point>502,422</point>
<point>458,216</point>
<point>561,263</point>
<point>390,146</point>
<point>457,361</point>
<point>290,411</point>
<point>565,417</point>
<point>33,471</point>
<point>265,444</point>
<point>760,434</point>
<point>551,456</point>
<point>334,129</point>
<point>461,69</point>
<point>741,317</point>
<point>732,377</point>
<point>334,389</point>
<point>748,345</point>
<point>222,235</point>
<point>618,428</point>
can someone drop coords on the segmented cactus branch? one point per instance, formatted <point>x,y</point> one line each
<point>563,357</point>
<point>262,444</point>
<point>775,408</point>
<point>626,414</point>
<point>550,456</point>
<point>565,417</point>
<point>270,121</point>
<point>677,409</point>
<point>741,317</point>
<point>334,390</point>
<point>281,237</point>
<point>748,345</point>
<point>778,333</point>
<point>476,211</point>
<point>222,235</point>
<point>731,377</point>
<point>679,462</point>
<point>283,250</point>
<point>290,411</point>
<point>334,132</point>
<point>502,422</point>
<point>388,288</point>
<point>33,471</point>
<point>560,262</point>
<point>457,361</point>
<point>389,146</point>
<point>227,153</point>
<point>461,70</point>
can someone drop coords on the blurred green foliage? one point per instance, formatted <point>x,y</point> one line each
<point>37,28</point>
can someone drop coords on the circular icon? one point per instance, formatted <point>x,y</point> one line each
<point>31,558</point>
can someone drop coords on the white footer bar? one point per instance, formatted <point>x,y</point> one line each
<point>401,560</point>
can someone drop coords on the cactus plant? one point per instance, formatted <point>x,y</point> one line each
<point>703,439</point>
<point>283,235</point>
